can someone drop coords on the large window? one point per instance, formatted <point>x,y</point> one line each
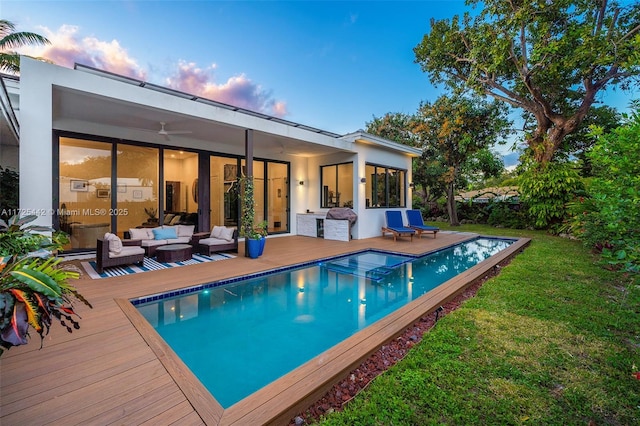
<point>180,176</point>
<point>110,186</point>
<point>337,185</point>
<point>271,194</point>
<point>385,186</point>
<point>84,190</point>
<point>137,186</point>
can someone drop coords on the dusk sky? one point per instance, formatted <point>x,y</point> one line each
<point>330,65</point>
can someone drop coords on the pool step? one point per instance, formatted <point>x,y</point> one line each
<point>372,272</point>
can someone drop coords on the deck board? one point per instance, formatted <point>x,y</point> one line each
<point>106,372</point>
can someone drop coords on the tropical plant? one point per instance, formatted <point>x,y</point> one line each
<point>34,289</point>
<point>10,40</point>
<point>549,58</point>
<point>151,213</point>
<point>608,218</point>
<point>546,190</point>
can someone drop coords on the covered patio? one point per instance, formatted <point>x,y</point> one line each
<point>109,371</point>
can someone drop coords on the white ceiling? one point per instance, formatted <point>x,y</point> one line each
<point>114,118</point>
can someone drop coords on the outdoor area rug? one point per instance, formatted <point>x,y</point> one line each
<point>150,264</point>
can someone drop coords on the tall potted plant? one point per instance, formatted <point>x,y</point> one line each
<point>34,289</point>
<point>253,234</point>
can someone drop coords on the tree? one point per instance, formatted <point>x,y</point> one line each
<point>549,58</point>
<point>394,126</point>
<point>456,133</point>
<point>579,143</point>
<point>10,40</point>
<point>398,127</point>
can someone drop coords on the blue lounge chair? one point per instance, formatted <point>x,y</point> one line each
<point>414,218</point>
<point>395,225</point>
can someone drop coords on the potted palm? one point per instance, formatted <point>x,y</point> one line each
<point>152,215</point>
<point>34,288</point>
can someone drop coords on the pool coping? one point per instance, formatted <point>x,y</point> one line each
<point>279,401</point>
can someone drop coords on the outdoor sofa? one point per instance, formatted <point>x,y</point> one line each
<point>112,251</point>
<point>202,242</point>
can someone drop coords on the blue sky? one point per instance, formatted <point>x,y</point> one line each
<point>327,64</point>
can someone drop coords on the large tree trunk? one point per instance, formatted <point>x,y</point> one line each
<point>552,128</point>
<point>451,205</point>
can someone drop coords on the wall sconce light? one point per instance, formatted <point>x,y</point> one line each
<point>301,182</point>
<point>363,180</point>
<point>411,185</point>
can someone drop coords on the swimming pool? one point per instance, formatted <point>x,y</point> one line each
<point>257,330</point>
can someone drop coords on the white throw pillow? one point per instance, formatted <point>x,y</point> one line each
<point>216,232</point>
<point>227,234</point>
<point>185,230</point>
<point>115,243</point>
<point>139,234</point>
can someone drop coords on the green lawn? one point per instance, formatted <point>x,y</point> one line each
<point>552,340</point>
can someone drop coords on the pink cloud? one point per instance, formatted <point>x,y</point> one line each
<point>238,90</point>
<point>68,47</point>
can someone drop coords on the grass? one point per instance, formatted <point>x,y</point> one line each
<point>553,340</point>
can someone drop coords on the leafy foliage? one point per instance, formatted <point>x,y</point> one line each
<point>545,190</point>
<point>549,58</point>
<point>34,290</point>
<point>455,133</point>
<point>398,127</point>
<point>609,220</point>
<point>9,190</point>
<point>10,39</point>
<point>248,227</point>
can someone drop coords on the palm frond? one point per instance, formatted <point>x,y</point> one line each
<point>6,27</point>
<point>20,39</point>
<point>10,62</point>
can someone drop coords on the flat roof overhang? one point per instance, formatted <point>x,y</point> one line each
<point>105,104</point>
<point>83,112</point>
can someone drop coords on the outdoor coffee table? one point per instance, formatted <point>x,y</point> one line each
<point>173,253</point>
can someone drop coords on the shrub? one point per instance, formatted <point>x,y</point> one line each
<point>507,215</point>
<point>608,220</point>
<point>545,190</point>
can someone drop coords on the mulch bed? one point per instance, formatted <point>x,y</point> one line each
<point>381,360</point>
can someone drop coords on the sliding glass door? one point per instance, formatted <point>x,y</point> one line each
<point>84,190</point>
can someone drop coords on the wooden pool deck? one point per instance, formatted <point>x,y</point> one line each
<point>112,371</point>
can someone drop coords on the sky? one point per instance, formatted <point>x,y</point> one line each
<point>333,65</point>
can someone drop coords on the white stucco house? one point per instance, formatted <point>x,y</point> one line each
<point>96,148</point>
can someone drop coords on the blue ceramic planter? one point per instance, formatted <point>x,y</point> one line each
<point>254,247</point>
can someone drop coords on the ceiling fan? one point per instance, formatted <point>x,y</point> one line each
<point>166,133</point>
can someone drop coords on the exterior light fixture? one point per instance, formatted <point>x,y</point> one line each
<point>411,185</point>
<point>363,180</point>
<point>301,182</point>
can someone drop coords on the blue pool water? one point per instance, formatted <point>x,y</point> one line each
<point>241,336</point>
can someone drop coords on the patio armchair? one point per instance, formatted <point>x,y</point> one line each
<point>112,251</point>
<point>395,226</point>
<point>218,240</point>
<point>414,218</point>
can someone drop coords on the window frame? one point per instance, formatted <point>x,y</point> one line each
<point>401,187</point>
<point>323,202</point>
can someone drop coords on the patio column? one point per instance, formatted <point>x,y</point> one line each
<point>248,155</point>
